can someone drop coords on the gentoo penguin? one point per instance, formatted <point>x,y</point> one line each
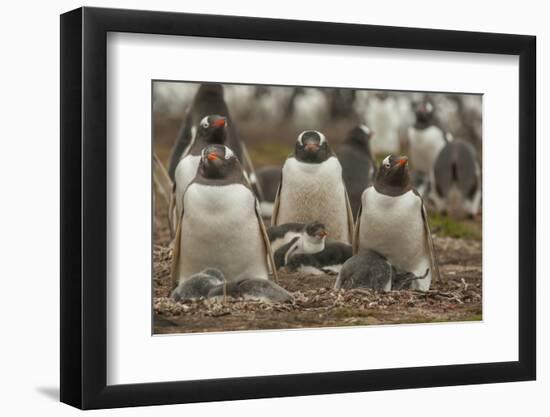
<point>211,283</point>
<point>393,222</point>
<point>369,269</point>
<point>382,117</point>
<point>358,166</point>
<point>268,178</point>
<point>220,224</point>
<point>426,139</point>
<point>294,238</point>
<point>330,259</point>
<point>209,99</point>
<point>457,180</point>
<point>312,188</point>
<point>211,130</point>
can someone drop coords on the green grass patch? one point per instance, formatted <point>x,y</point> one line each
<point>269,153</point>
<point>447,226</point>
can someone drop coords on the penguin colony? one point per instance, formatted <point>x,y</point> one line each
<point>331,211</point>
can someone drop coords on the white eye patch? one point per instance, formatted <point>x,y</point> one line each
<point>429,107</point>
<point>204,122</point>
<point>386,161</point>
<point>228,153</point>
<point>365,129</point>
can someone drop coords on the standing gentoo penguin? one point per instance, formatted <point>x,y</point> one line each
<point>220,225</point>
<point>369,269</point>
<point>358,166</point>
<point>393,222</point>
<point>209,99</point>
<point>426,139</point>
<point>211,130</point>
<point>312,188</point>
<point>457,180</point>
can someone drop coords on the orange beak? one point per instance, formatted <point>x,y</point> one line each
<point>323,234</point>
<point>219,122</point>
<point>212,156</point>
<point>312,146</point>
<point>403,161</point>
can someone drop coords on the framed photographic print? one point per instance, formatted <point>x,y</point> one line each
<point>257,208</point>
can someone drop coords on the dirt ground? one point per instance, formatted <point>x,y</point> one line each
<point>456,297</point>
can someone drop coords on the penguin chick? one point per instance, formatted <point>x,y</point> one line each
<point>329,260</point>
<point>198,285</point>
<point>311,240</point>
<point>311,236</point>
<point>369,269</point>
<point>253,289</point>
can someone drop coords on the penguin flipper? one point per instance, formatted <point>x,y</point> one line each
<point>350,217</point>
<point>277,203</point>
<point>429,240</point>
<point>176,251</point>
<point>355,241</point>
<point>265,237</point>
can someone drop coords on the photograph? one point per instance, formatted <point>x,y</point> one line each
<point>286,207</point>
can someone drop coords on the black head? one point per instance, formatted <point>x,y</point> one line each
<point>424,112</point>
<point>212,129</point>
<point>218,162</point>
<point>312,147</point>
<point>360,136</point>
<point>316,229</point>
<point>393,176</point>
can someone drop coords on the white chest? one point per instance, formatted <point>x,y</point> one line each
<point>425,145</point>
<point>393,227</point>
<point>314,192</point>
<point>220,230</point>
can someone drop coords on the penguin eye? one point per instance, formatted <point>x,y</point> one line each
<point>205,124</point>
<point>387,165</point>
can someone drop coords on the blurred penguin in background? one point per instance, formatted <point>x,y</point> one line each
<point>457,181</point>
<point>426,140</point>
<point>358,166</point>
<point>382,117</point>
<point>309,108</point>
<point>209,100</point>
<point>312,188</point>
<point>268,178</point>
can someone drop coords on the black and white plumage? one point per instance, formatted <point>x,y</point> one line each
<point>294,238</point>
<point>426,140</point>
<point>198,285</point>
<point>456,179</point>
<point>220,224</point>
<point>209,99</point>
<point>212,129</point>
<point>358,166</point>
<point>393,222</point>
<point>312,188</point>
<point>330,259</point>
<point>369,269</point>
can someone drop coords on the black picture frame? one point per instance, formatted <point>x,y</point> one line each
<point>84,207</point>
